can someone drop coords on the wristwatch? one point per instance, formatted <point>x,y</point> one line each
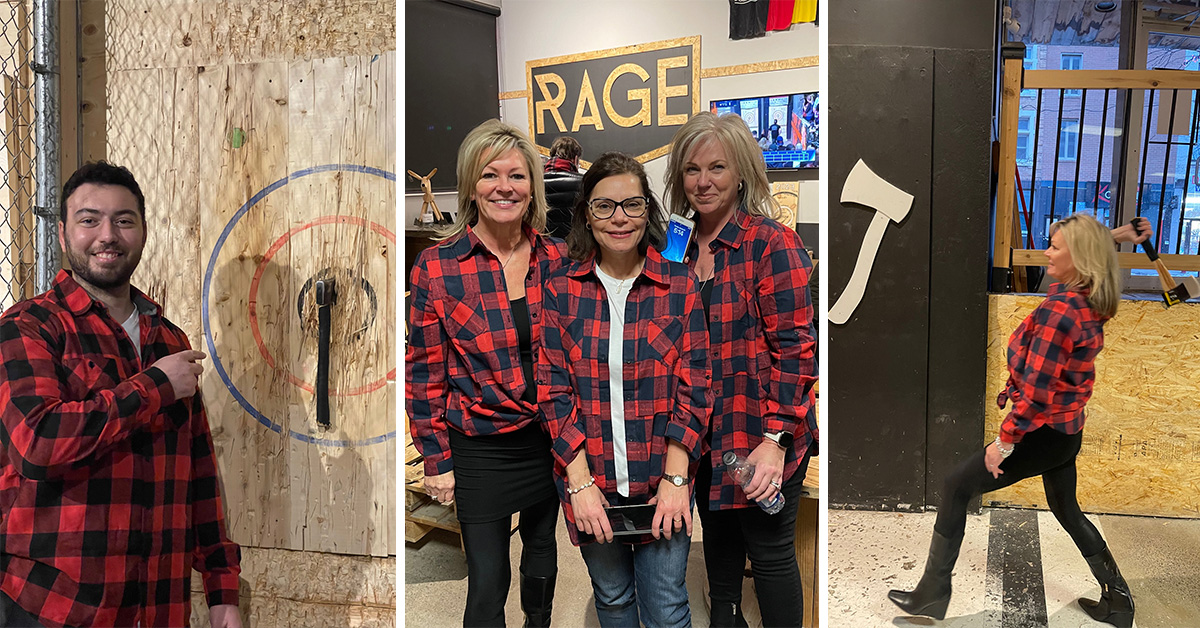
<point>676,480</point>
<point>783,439</point>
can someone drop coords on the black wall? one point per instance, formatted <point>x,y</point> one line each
<point>910,93</point>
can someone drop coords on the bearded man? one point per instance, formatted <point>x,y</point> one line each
<point>109,494</point>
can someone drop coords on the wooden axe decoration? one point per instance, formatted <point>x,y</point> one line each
<point>1173,294</point>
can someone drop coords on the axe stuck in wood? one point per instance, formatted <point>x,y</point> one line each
<point>1173,293</point>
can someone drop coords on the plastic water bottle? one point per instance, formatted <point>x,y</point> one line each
<point>742,471</point>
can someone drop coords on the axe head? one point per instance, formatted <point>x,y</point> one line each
<point>864,187</point>
<point>1189,288</point>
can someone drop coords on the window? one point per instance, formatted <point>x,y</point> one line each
<point>1071,61</point>
<point>1068,140</point>
<point>1025,143</point>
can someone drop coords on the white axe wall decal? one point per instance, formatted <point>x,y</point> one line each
<point>890,203</point>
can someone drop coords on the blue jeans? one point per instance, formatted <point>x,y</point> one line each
<point>650,577</point>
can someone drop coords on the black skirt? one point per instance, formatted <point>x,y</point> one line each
<point>498,475</point>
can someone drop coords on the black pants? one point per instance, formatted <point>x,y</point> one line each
<point>13,616</point>
<point>769,541</point>
<point>488,569</point>
<point>1046,452</point>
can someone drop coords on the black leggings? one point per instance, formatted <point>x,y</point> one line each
<point>488,569</point>
<point>1046,452</point>
<point>769,540</point>
<point>13,616</point>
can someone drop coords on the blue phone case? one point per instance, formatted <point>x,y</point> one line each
<point>679,236</point>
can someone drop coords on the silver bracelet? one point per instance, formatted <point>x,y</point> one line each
<point>1004,453</point>
<point>575,491</point>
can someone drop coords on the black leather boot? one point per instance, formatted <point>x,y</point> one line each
<point>727,615</point>
<point>537,595</point>
<point>1115,605</point>
<point>932,595</point>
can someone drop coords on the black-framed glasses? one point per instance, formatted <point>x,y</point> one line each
<point>604,208</point>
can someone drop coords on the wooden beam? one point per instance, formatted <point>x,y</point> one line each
<point>1037,257</point>
<point>1006,188</point>
<point>68,87</point>
<point>1111,79</point>
<point>93,84</point>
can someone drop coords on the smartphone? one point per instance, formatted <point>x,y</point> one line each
<point>627,520</point>
<point>679,236</point>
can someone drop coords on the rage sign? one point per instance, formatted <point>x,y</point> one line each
<point>630,99</point>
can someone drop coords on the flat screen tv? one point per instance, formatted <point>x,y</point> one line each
<point>787,127</point>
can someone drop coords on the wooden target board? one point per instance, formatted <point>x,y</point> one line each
<point>1141,440</point>
<point>267,178</point>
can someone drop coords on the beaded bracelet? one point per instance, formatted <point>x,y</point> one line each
<point>574,491</point>
<point>1004,453</point>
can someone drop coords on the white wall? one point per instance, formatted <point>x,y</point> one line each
<point>537,29</point>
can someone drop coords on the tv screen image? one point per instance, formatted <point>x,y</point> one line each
<point>787,127</point>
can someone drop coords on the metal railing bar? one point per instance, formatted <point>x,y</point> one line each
<point>1162,188</point>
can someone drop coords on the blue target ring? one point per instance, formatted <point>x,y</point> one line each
<point>206,290</point>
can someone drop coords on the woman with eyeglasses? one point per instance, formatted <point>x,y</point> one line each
<point>471,398</point>
<point>753,275</point>
<point>625,357</point>
<point>1052,367</point>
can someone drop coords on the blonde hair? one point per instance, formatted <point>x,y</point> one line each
<point>1095,258</point>
<point>492,139</point>
<point>740,148</point>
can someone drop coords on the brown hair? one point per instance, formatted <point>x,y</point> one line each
<point>581,243</point>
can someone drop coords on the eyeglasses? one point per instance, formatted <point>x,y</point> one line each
<point>604,208</point>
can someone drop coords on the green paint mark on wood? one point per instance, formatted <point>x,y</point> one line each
<point>237,137</point>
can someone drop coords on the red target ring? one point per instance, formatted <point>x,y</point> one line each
<point>253,305</point>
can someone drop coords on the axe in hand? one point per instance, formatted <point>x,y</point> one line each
<point>1173,293</point>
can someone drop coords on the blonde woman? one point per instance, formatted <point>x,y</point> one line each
<point>1051,364</point>
<point>753,274</point>
<point>471,398</point>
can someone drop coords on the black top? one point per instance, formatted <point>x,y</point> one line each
<point>520,312</point>
<point>706,288</point>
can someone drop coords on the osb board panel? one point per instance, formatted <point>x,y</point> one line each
<point>176,33</point>
<point>280,588</point>
<point>1141,447</point>
<point>153,133</point>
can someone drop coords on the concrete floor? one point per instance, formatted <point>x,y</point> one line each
<point>871,552</point>
<point>435,587</point>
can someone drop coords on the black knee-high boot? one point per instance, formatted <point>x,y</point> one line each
<point>932,595</point>
<point>537,596</point>
<point>727,615</point>
<point>1115,605</point>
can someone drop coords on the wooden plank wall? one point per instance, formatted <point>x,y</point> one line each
<point>1141,447</point>
<point>209,103</point>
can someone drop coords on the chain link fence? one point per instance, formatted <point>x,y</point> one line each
<point>17,154</point>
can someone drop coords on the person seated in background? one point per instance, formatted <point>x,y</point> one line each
<point>563,182</point>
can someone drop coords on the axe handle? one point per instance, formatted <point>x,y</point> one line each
<point>1164,276</point>
<point>1147,246</point>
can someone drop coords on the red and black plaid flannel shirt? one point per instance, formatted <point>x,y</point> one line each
<point>463,367</point>
<point>1052,365</point>
<point>762,345</point>
<point>109,494</point>
<point>665,372</point>
<point>558,164</point>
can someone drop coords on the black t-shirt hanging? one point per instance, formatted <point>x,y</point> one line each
<point>748,18</point>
